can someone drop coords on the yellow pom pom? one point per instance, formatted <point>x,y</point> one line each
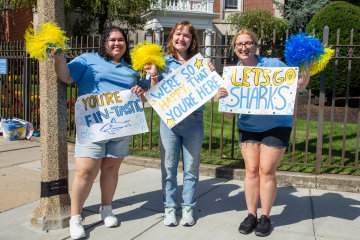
<point>320,63</point>
<point>49,37</point>
<point>146,52</point>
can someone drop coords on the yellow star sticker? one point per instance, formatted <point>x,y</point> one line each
<point>198,63</point>
<point>170,122</point>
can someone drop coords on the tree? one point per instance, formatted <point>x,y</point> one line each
<point>343,16</point>
<point>95,15</point>
<point>257,20</point>
<point>300,12</point>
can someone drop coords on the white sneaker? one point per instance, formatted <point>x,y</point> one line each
<point>106,214</point>
<point>187,216</point>
<point>170,217</point>
<point>76,228</point>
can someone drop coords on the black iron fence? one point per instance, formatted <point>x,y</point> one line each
<point>318,141</point>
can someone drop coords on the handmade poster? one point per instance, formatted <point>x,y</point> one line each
<point>184,91</point>
<point>101,116</point>
<point>259,90</point>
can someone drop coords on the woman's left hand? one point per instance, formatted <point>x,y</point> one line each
<point>211,66</point>
<point>304,77</point>
<point>150,69</point>
<point>137,90</point>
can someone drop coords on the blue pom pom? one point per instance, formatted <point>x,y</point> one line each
<point>302,47</point>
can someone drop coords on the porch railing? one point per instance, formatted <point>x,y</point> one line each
<point>188,5</point>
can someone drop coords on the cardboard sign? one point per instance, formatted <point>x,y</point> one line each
<point>259,90</point>
<point>102,116</point>
<point>184,91</point>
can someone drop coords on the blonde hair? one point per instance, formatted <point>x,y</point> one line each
<point>193,48</point>
<point>248,32</point>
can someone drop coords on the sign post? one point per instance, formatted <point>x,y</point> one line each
<point>3,71</point>
<point>53,211</point>
<point>3,66</point>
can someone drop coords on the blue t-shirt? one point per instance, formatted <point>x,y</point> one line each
<point>171,64</point>
<point>93,74</point>
<point>261,123</point>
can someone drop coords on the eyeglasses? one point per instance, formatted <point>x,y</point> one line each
<point>246,45</point>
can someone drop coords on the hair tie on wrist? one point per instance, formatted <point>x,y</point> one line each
<point>155,76</point>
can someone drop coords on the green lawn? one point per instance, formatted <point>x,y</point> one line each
<point>300,143</point>
<point>230,151</point>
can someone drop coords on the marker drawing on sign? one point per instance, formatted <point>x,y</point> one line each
<point>198,63</point>
<point>170,122</point>
<point>114,126</point>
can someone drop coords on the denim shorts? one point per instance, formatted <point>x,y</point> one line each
<point>114,148</point>
<point>276,137</point>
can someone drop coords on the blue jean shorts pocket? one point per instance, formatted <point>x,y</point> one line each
<point>197,114</point>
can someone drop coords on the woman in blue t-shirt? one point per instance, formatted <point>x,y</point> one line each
<point>107,70</point>
<point>263,140</point>
<point>186,136</point>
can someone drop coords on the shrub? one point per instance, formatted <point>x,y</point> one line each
<point>257,20</point>
<point>343,16</point>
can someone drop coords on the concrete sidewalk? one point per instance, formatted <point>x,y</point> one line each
<point>298,213</point>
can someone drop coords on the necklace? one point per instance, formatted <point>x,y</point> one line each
<point>181,60</point>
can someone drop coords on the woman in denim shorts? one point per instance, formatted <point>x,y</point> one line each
<point>186,136</point>
<point>107,70</point>
<point>263,140</point>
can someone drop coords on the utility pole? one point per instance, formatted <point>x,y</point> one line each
<point>53,211</point>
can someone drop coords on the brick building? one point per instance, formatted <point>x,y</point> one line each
<point>208,17</point>
<point>13,23</point>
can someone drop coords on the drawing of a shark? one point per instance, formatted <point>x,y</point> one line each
<point>114,126</point>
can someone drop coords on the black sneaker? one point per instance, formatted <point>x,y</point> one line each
<point>263,228</point>
<point>248,225</point>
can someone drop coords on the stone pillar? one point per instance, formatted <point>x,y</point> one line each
<point>208,52</point>
<point>157,32</point>
<point>149,36</point>
<point>53,211</point>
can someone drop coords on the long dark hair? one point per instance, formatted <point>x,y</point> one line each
<point>192,50</point>
<point>105,37</point>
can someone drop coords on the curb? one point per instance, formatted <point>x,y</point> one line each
<point>330,182</point>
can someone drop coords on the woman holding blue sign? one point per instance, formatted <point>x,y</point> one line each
<point>263,140</point>
<point>186,136</point>
<point>107,70</point>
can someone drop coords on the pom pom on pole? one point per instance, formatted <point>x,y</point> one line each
<point>146,52</point>
<point>39,43</point>
<point>302,48</point>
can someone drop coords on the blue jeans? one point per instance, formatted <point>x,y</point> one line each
<point>188,136</point>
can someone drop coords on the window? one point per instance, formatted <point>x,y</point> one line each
<point>231,4</point>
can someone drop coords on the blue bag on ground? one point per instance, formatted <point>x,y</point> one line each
<point>13,130</point>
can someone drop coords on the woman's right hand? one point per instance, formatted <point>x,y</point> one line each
<point>61,68</point>
<point>57,56</point>
<point>151,69</point>
<point>221,93</point>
